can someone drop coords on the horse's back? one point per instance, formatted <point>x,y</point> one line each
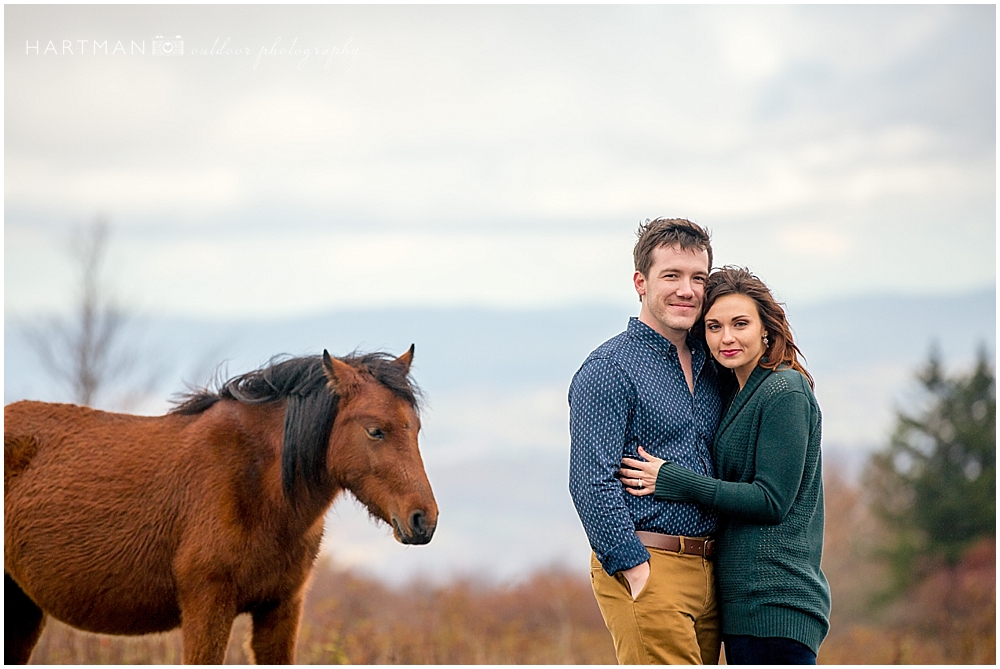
<point>71,437</point>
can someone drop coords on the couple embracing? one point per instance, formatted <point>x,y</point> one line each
<point>695,467</point>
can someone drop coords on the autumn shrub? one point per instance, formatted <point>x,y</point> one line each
<point>551,618</point>
<point>949,616</point>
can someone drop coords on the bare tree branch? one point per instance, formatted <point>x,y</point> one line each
<point>89,352</point>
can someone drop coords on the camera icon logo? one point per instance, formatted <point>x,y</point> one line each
<point>168,47</point>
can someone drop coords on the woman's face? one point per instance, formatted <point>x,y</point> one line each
<point>735,334</point>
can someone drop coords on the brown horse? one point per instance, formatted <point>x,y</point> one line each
<point>132,524</point>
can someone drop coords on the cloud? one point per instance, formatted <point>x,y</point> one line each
<point>497,121</point>
<point>285,120</point>
<point>261,274</point>
<point>753,44</point>
<point>806,241</point>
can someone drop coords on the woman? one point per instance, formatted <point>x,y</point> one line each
<point>774,598</point>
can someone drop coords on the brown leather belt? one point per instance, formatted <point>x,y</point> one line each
<point>681,545</point>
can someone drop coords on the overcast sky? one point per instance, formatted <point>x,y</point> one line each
<point>496,155</point>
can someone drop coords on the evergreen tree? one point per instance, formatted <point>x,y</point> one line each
<point>935,482</point>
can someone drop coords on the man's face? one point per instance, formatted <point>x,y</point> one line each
<point>673,291</point>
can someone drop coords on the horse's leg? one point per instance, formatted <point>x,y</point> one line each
<point>275,631</point>
<point>207,616</point>
<point>23,623</point>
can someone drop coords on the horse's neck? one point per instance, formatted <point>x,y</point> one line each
<point>262,432</point>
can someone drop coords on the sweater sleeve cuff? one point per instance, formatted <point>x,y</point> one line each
<point>625,555</point>
<point>677,484</point>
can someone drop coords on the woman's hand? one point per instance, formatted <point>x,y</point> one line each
<point>638,476</point>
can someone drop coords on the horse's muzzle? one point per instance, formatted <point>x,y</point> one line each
<point>418,530</point>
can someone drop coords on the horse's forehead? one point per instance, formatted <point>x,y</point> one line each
<point>377,398</point>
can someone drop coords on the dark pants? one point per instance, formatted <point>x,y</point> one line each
<point>742,649</point>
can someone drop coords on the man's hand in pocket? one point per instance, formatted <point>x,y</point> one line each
<point>637,577</point>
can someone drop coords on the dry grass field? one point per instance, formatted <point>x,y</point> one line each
<point>552,618</point>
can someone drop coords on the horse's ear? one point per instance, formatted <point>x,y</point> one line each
<point>342,376</point>
<point>406,358</point>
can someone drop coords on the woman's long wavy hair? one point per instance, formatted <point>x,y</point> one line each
<point>781,349</point>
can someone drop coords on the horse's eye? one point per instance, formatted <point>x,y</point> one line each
<point>375,433</point>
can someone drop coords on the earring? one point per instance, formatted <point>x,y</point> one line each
<point>766,342</point>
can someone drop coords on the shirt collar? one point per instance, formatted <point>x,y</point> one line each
<point>661,344</point>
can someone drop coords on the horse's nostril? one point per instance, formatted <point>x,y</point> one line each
<point>418,522</point>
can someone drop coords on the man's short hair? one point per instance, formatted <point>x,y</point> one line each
<point>668,232</point>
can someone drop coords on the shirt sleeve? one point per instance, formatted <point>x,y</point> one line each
<point>778,468</point>
<point>601,399</point>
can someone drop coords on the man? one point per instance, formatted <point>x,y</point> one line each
<point>652,386</point>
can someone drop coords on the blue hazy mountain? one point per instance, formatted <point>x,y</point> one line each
<point>495,439</point>
<point>506,349</point>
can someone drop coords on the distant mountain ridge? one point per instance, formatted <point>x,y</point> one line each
<point>506,348</point>
<point>495,437</point>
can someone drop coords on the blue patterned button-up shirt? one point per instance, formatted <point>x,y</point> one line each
<point>631,392</point>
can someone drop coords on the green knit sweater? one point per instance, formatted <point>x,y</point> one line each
<point>769,545</point>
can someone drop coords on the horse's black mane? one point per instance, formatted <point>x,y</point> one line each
<point>311,408</point>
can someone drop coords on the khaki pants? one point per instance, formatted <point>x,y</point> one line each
<point>674,620</point>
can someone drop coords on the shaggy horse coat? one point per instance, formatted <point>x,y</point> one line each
<point>125,524</point>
